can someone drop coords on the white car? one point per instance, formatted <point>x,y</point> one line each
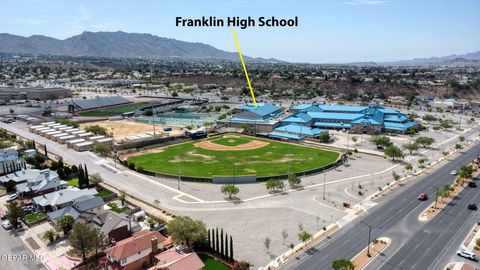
<point>453,172</point>
<point>12,197</point>
<point>6,225</point>
<point>467,254</point>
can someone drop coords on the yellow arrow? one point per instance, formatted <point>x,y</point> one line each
<point>244,67</point>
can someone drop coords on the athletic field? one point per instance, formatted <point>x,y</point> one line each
<point>233,154</point>
<point>117,110</point>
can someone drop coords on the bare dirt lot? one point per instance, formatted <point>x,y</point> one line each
<point>124,128</point>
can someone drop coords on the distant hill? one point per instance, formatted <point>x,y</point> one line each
<point>468,58</point>
<point>116,45</point>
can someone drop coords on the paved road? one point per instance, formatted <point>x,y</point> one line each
<point>13,246</point>
<point>396,217</point>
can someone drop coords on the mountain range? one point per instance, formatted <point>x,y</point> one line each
<point>116,45</point>
<point>134,45</point>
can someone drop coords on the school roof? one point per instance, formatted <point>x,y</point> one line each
<point>302,130</point>
<point>262,109</point>
<point>282,135</point>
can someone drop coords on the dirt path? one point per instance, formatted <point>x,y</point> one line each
<point>208,145</point>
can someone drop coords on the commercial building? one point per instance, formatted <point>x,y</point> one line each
<point>262,118</point>
<point>372,119</point>
<point>9,93</point>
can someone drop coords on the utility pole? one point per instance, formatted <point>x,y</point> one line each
<point>178,174</point>
<point>324,178</point>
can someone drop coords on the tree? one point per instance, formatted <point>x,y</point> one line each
<point>87,179</point>
<point>294,181</point>
<point>98,240</point>
<point>466,172</point>
<point>221,242</point>
<point>393,152</point>
<point>66,223</point>
<point>95,179</point>
<point>324,137</point>
<point>408,166</point>
<point>354,140</point>
<point>267,243</point>
<point>274,185</point>
<point>241,265</point>
<point>304,236</point>
<point>50,235</point>
<point>461,139</point>
<point>231,249</point>
<point>81,177</point>
<point>184,230</point>
<point>411,146</point>
<point>284,236</point>
<point>103,149</point>
<point>425,142</point>
<point>230,190</point>
<point>97,130</point>
<point>381,141</point>
<point>343,264</point>
<point>225,253</point>
<point>122,197</point>
<point>15,213</point>
<point>81,239</point>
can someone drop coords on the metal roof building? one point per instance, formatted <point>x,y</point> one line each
<point>99,102</point>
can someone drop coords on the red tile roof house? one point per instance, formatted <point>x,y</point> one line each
<point>174,259</point>
<point>136,252</point>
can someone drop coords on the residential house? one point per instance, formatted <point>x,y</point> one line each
<point>83,209</point>
<point>9,161</point>
<point>115,226</point>
<point>175,259</point>
<point>136,251</point>
<point>60,199</point>
<point>45,181</point>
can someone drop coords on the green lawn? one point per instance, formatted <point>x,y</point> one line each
<point>212,264</point>
<point>273,159</point>
<point>73,182</point>
<point>118,209</point>
<point>112,111</point>
<point>35,216</point>
<point>102,193</point>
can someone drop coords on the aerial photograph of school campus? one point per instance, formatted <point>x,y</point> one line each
<point>215,135</point>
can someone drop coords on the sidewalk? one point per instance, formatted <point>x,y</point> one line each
<point>53,255</point>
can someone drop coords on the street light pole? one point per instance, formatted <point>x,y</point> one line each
<point>324,178</point>
<point>178,182</point>
<point>369,239</point>
<point>436,197</point>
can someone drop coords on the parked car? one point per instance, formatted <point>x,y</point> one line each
<point>454,172</point>
<point>380,147</point>
<point>467,254</point>
<point>472,184</point>
<point>28,211</point>
<point>6,225</point>
<point>423,196</point>
<point>3,216</point>
<point>472,206</point>
<point>12,197</point>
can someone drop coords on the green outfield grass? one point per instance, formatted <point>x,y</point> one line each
<point>117,110</point>
<point>273,159</point>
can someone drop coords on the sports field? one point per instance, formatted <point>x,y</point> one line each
<point>233,154</point>
<point>117,110</point>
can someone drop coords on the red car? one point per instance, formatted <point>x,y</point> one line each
<point>423,197</point>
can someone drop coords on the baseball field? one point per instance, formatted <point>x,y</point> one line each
<point>233,154</point>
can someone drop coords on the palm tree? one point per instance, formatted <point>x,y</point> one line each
<point>66,223</point>
<point>50,235</point>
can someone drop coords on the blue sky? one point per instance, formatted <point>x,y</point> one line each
<point>329,31</point>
